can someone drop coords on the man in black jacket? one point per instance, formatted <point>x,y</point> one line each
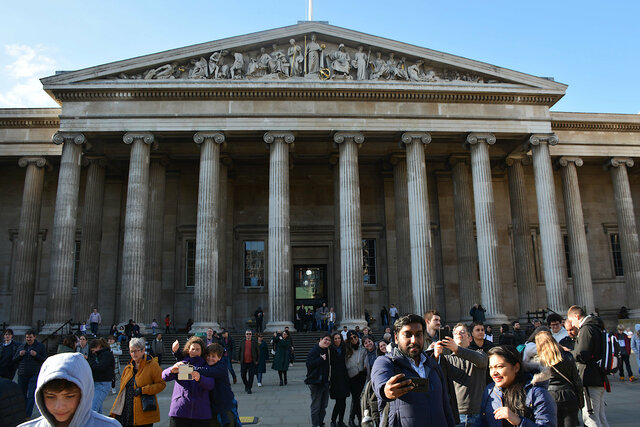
<point>318,379</point>
<point>587,352</point>
<point>29,357</point>
<point>9,347</point>
<point>11,403</point>
<point>248,356</point>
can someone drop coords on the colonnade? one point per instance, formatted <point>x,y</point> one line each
<point>471,175</point>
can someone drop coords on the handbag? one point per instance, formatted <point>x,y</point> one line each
<point>580,396</point>
<point>148,401</point>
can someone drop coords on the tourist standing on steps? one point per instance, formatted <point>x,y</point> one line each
<point>29,357</point>
<point>338,386</point>
<point>157,346</point>
<point>248,356</point>
<point>318,378</point>
<point>357,373</point>
<point>263,351</point>
<point>384,316</point>
<point>281,358</point>
<point>259,316</point>
<point>167,324</point>
<point>94,321</point>
<point>393,312</point>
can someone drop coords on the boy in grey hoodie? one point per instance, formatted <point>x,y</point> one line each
<point>64,394</point>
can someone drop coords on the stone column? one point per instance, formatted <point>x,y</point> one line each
<point>64,231</point>
<point>465,242</point>
<point>135,228</point>
<point>553,255</point>
<point>490,285</point>
<point>629,243</point>
<point>89,268</point>
<point>521,234</point>
<point>578,250</point>
<point>155,234</point>
<point>403,253</point>
<point>423,278</point>
<point>207,284</point>
<point>351,280</point>
<point>23,272</point>
<point>279,250</point>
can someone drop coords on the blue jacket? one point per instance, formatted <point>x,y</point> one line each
<point>221,396</point>
<point>190,399</point>
<point>430,409</point>
<point>543,407</point>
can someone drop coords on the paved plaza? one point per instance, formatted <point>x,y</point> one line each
<point>289,405</point>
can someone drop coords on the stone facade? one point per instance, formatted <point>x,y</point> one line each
<point>378,172</point>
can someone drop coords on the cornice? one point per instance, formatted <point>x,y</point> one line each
<point>595,126</point>
<point>29,123</point>
<point>306,94</point>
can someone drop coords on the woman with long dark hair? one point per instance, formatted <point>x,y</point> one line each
<point>355,356</point>
<point>281,358</point>
<point>565,384</point>
<point>338,386</point>
<point>517,396</point>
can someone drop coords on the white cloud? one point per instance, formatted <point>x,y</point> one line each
<point>21,86</point>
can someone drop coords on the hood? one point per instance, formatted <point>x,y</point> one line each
<point>537,374</point>
<point>637,327</point>
<point>592,320</point>
<point>74,368</point>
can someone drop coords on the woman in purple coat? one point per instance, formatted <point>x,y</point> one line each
<point>190,405</point>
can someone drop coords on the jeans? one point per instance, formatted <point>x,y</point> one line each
<point>227,361</point>
<point>259,377</point>
<point>319,402</point>
<point>331,326</point>
<point>28,386</point>
<point>101,390</point>
<point>94,328</point>
<point>468,420</point>
<point>597,418</point>
<point>247,368</point>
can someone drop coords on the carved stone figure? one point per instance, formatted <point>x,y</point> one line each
<point>165,72</point>
<point>401,69</point>
<point>380,68</point>
<point>295,58</point>
<point>360,62</point>
<point>340,62</point>
<point>238,65</point>
<point>200,69</point>
<point>215,63</point>
<point>278,62</point>
<point>415,71</point>
<point>394,70</point>
<point>313,55</point>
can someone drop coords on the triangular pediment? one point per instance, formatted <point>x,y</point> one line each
<point>319,52</point>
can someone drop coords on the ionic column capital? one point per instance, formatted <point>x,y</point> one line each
<point>475,138</point>
<point>340,137</point>
<point>273,136</point>
<point>97,160</point>
<point>615,162</point>
<point>410,137</point>
<point>564,161</point>
<point>145,137</point>
<point>524,160</point>
<point>455,159</point>
<point>64,137</point>
<point>542,138</point>
<point>40,162</point>
<point>216,137</point>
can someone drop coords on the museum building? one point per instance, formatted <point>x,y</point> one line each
<point>309,164</point>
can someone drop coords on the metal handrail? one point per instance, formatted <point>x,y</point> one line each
<point>56,331</point>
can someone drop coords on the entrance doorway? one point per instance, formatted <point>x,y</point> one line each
<point>310,285</point>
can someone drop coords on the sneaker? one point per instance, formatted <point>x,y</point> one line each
<point>259,384</point>
<point>632,378</point>
<point>621,378</point>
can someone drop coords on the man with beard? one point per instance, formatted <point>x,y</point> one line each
<point>417,395</point>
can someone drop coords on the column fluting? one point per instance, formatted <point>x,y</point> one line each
<point>351,279</point>
<point>279,248</point>
<point>465,243</point>
<point>23,272</point>
<point>135,229</point>
<point>423,280</point>
<point>553,255</point>
<point>401,204</point>
<point>578,249</point>
<point>89,268</point>
<point>486,229</point>
<point>155,234</point>
<point>629,243</point>
<point>207,283</point>
<point>63,238</point>
<point>521,234</point>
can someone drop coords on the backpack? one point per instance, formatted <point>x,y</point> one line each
<point>608,362</point>
<point>371,416</point>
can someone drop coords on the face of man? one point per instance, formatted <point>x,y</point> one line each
<point>369,345</point>
<point>555,326</point>
<point>434,323</point>
<point>536,323</point>
<point>30,338</point>
<point>209,333</point>
<point>410,340</point>
<point>325,342</point>
<point>572,330</point>
<point>247,335</point>
<point>478,332</point>
<point>8,336</point>
<point>516,325</point>
<point>461,336</point>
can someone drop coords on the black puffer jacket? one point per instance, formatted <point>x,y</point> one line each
<point>102,365</point>
<point>588,351</point>
<point>29,365</point>
<point>7,367</point>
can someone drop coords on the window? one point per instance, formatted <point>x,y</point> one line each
<point>76,263</point>
<point>567,257</point>
<point>369,261</point>
<point>616,254</point>
<point>254,264</point>
<point>190,263</point>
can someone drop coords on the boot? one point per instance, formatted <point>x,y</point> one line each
<point>632,378</point>
<point>285,377</point>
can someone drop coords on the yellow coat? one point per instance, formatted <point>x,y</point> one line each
<point>149,378</point>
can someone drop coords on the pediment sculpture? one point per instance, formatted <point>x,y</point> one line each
<point>307,59</point>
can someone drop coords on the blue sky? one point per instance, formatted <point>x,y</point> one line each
<point>591,46</point>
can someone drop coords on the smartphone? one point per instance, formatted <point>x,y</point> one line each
<point>441,334</point>
<point>185,372</point>
<point>420,385</point>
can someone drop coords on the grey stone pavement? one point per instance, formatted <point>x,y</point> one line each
<point>289,405</point>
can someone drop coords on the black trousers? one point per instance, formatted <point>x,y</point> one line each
<point>356,385</point>
<point>319,401</point>
<point>568,413</point>
<point>250,369</point>
<point>188,422</point>
<point>338,410</point>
